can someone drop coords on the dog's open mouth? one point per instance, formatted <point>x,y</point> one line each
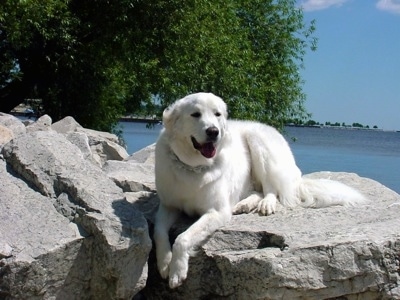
<point>208,149</point>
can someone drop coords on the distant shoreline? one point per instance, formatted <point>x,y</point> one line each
<point>153,120</point>
<point>337,127</point>
<point>140,120</point>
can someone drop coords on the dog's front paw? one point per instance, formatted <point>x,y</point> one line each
<point>267,205</point>
<point>178,270</point>
<point>247,205</point>
<point>241,208</point>
<point>177,277</point>
<point>176,280</point>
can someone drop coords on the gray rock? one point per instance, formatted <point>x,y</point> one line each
<point>144,156</point>
<point>6,135</point>
<point>95,136</point>
<point>104,146</point>
<point>5,250</point>
<point>12,123</point>
<point>41,124</point>
<point>106,261</point>
<point>38,246</point>
<point>144,201</point>
<point>66,125</point>
<point>95,145</point>
<point>299,253</point>
<point>131,176</point>
<point>81,140</point>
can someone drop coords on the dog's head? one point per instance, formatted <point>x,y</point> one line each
<point>196,126</point>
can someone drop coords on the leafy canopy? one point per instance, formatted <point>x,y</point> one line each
<point>96,60</point>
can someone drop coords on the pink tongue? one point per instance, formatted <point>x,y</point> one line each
<point>208,150</point>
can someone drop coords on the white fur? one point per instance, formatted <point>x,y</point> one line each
<point>253,162</point>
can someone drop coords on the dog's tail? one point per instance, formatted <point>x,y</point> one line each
<point>324,192</point>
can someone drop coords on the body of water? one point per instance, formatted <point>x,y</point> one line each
<point>138,135</point>
<point>369,153</point>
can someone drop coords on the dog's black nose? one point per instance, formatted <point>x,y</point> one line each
<point>212,132</point>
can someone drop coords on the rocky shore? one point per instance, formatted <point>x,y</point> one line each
<point>76,218</point>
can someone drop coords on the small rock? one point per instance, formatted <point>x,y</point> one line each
<point>41,124</point>
<point>6,135</point>
<point>66,125</point>
<point>12,123</point>
<point>5,250</point>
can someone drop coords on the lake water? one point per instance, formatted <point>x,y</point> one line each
<point>369,153</point>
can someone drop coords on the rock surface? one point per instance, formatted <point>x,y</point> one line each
<point>67,230</point>
<point>73,211</point>
<point>12,123</point>
<point>131,176</point>
<point>329,253</point>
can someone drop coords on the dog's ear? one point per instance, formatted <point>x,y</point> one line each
<point>224,109</point>
<point>170,115</point>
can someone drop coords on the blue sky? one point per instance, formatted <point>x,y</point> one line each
<point>354,75</point>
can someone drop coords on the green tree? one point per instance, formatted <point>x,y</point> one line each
<point>311,123</point>
<point>357,125</point>
<point>96,60</point>
<point>32,38</point>
<point>59,52</point>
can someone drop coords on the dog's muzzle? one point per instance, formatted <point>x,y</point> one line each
<point>207,149</point>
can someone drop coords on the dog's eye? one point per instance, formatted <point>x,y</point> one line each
<point>196,115</point>
<point>217,114</point>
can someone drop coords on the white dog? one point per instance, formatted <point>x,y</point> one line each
<point>205,165</point>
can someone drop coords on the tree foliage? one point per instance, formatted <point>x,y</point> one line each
<point>96,60</point>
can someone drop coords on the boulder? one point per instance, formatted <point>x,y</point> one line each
<point>66,125</point>
<point>131,176</point>
<point>104,145</point>
<point>66,229</point>
<point>39,248</point>
<point>6,135</point>
<point>41,124</point>
<point>98,146</point>
<point>327,253</point>
<point>81,140</point>
<point>144,156</point>
<point>13,124</point>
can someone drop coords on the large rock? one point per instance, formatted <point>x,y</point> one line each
<point>131,176</point>
<point>13,124</point>
<point>144,156</point>
<point>104,145</point>
<point>67,231</point>
<point>41,124</point>
<point>66,125</point>
<point>329,253</point>
<point>39,248</point>
<point>6,135</point>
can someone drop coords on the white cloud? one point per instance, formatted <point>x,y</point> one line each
<point>389,5</point>
<point>310,5</point>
